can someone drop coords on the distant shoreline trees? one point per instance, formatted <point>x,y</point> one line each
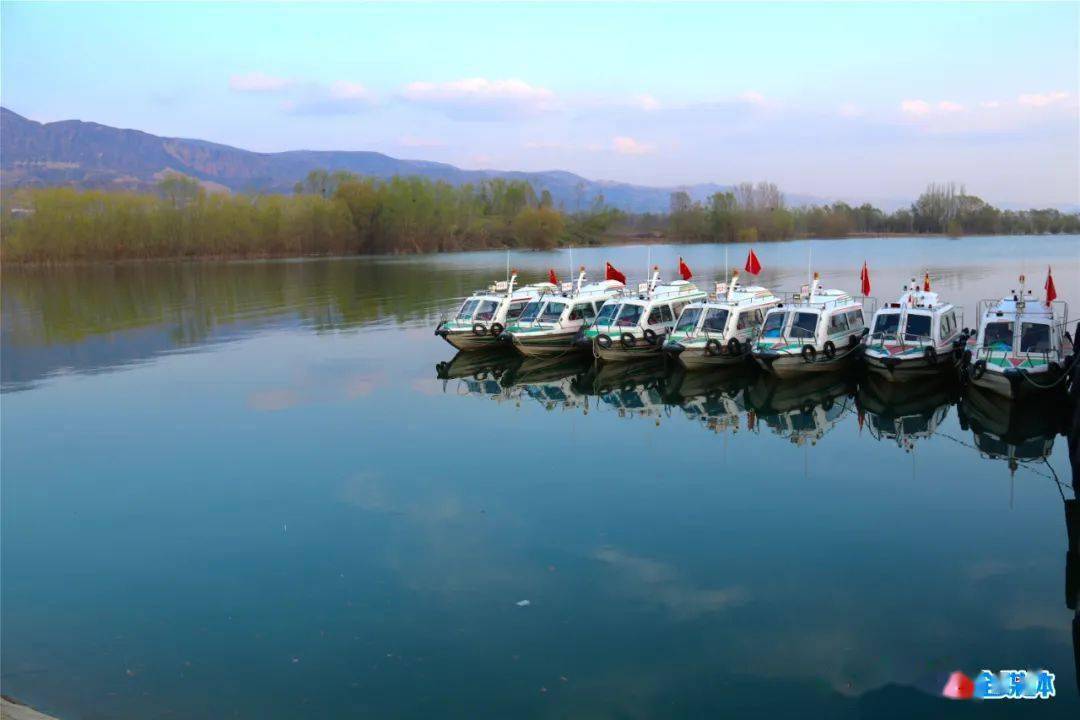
<point>343,214</point>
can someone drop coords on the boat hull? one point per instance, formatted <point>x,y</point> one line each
<point>790,365</point>
<point>548,344</point>
<point>1019,384</point>
<point>469,340</point>
<point>697,359</point>
<point>617,352</point>
<point>903,369</point>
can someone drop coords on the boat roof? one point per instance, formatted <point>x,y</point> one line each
<point>918,300</point>
<point>822,300</point>
<point>739,297</point>
<point>1013,305</point>
<point>665,291</point>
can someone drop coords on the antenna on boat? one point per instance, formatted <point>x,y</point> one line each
<point>507,264</point>
<point>571,261</point>
<point>648,260</point>
<point>725,265</point>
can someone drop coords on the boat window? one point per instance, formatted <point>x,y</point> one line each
<point>665,313</point>
<point>515,310</point>
<point>688,319</point>
<point>467,310</point>
<point>715,320</point>
<point>744,320</point>
<point>804,325</point>
<point>917,327</point>
<point>607,313</point>
<point>838,323</point>
<point>1034,337</point>
<point>629,315</point>
<point>487,310</point>
<point>855,319</point>
<point>552,312</point>
<point>887,323</point>
<point>998,336</point>
<point>774,325</point>
<point>677,308</point>
<point>654,316</point>
<point>582,312</point>
<point>946,325</point>
<point>531,311</point>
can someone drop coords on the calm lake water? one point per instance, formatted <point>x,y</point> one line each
<point>266,490</point>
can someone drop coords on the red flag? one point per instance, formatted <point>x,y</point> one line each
<point>684,270</point>
<point>862,419</point>
<point>1051,291</point>
<point>926,283</point>
<point>613,274</point>
<point>552,277</point>
<point>752,265</point>
<point>864,277</point>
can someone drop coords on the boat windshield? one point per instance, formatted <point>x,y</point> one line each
<point>1034,337</point>
<point>917,327</point>
<point>774,325</point>
<point>487,310</point>
<point>629,315</point>
<point>887,323</point>
<point>467,310</point>
<point>804,325</point>
<point>688,319</point>
<point>552,312</point>
<point>531,311</point>
<point>607,313</point>
<point>715,320</point>
<point>998,336</point>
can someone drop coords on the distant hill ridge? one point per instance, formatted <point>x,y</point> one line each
<point>91,155</point>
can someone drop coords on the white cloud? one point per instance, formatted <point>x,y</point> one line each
<point>341,97</point>
<point>753,97</point>
<point>625,145</point>
<point>917,108</point>
<point>258,82</point>
<point>343,90</point>
<point>647,102</point>
<point>990,104</point>
<point>481,96</point>
<point>948,106</point>
<point>1042,99</point>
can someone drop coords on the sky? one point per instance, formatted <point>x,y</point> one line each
<point>862,102</point>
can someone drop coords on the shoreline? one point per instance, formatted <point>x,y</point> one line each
<point>608,241</point>
<point>12,709</point>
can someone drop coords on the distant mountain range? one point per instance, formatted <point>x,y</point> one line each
<point>90,155</point>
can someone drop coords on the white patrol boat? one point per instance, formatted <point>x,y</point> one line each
<point>918,335</point>
<point>633,325</point>
<point>549,324</point>
<point>817,330</point>
<point>722,329</point>
<point>1021,346</point>
<point>483,316</point>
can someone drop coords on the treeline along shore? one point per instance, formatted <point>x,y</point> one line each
<point>343,214</point>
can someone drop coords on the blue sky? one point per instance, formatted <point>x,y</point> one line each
<point>836,100</point>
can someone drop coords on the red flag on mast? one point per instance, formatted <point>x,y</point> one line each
<point>926,283</point>
<point>684,270</point>
<point>1051,291</point>
<point>612,274</point>
<point>752,265</point>
<point>864,278</point>
<point>552,277</point>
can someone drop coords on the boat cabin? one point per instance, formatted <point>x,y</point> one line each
<point>655,306</point>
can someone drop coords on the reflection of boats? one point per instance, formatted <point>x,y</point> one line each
<point>482,318</point>
<point>905,412</point>
<point>721,330</point>
<point>802,411</point>
<point>916,336</point>
<point>632,388</point>
<point>1020,347</point>
<point>1018,431</point>
<point>549,324</point>
<point>633,325</point>
<point>550,382</point>
<point>714,399</point>
<point>817,331</point>
<point>480,372</point>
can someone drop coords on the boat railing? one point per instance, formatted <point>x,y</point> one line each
<point>800,299</point>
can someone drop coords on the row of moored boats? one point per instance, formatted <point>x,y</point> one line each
<point>1019,346</point>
